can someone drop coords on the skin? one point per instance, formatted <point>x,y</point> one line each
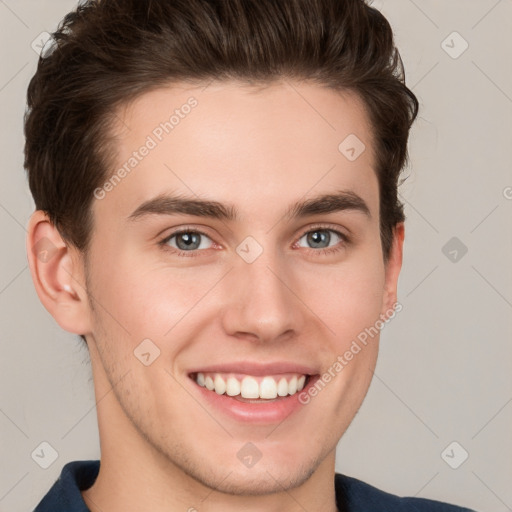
<point>261,150</point>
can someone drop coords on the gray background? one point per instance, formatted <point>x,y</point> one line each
<point>444,372</point>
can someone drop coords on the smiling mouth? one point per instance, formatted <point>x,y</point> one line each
<point>252,389</point>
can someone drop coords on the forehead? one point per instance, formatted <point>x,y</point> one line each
<point>256,146</point>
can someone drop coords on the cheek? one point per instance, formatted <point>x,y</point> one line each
<point>148,299</point>
<point>347,298</point>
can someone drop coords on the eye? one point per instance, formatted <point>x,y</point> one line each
<point>322,238</point>
<point>187,241</point>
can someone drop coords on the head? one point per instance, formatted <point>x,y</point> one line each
<point>262,130</point>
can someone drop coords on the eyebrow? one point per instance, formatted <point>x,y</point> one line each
<point>323,204</point>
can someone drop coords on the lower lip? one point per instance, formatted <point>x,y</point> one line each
<point>261,412</point>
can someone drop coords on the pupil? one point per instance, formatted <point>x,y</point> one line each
<point>187,240</point>
<point>316,238</point>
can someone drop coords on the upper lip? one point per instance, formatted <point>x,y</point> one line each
<point>257,369</point>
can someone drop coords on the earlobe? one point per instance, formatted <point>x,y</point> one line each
<point>393,267</point>
<point>57,273</point>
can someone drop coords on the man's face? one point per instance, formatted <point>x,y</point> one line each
<point>248,299</point>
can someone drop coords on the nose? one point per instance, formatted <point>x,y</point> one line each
<point>261,304</point>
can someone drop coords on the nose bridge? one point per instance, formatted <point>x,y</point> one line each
<point>260,302</point>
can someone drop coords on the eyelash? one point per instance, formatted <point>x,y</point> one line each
<point>188,254</point>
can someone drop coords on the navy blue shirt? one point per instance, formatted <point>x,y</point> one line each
<point>352,495</point>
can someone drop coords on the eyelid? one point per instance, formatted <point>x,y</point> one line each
<point>326,227</point>
<point>186,229</point>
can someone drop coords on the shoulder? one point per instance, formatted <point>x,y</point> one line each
<point>353,495</point>
<point>65,495</point>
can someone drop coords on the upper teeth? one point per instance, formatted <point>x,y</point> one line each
<point>251,387</point>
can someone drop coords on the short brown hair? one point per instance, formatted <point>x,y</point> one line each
<point>107,52</point>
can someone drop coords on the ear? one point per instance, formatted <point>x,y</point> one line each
<point>58,274</point>
<point>393,267</point>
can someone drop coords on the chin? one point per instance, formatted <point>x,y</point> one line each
<point>267,476</point>
<point>258,481</point>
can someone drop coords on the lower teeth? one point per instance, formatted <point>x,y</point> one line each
<point>251,400</point>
